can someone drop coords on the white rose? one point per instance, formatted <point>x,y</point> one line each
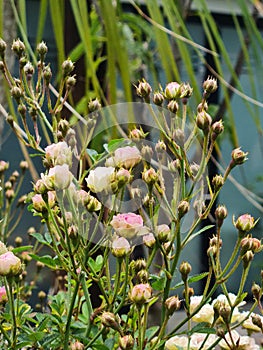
<point>59,177</point>
<point>176,343</point>
<point>205,314</point>
<point>58,154</point>
<point>99,179</point>
<point>126,157</point>
<point>198,338</point>
<point>244,342</point>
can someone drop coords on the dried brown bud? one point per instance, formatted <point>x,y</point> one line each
<point>256,291</point>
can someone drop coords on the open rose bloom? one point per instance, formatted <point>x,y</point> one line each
<point>126,157</point>
<point>128,225</point>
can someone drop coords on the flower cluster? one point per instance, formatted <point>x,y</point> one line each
<point>116,214</point>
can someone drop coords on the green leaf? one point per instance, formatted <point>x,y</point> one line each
<point>150,332</point>
<point>158,282</point>
<point>22,249</point>
<point>114,144</point>
<point>202,327</point>
<point>96,265</point>
<point>39,238</point>
<point>46,260</point>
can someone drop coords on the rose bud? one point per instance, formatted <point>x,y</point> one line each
<point>150,176</point>
<point>163,233</point>
<point>3,248</point>
<point>158,98</point>
<point>18,47</point>
<point>108,319</point>
<point>246,245</point>
<point>141,293</point>
<point>203,120</point>
<point>144,89</point>
<point>217,128</point>
<point>183,208</point>
<point>67,67</point>
<point>256,291</point>
<point>185,268</point>
<point>174,166</point>
<point>29,70</point>
<point>10,265</point>
<point>220,214</point>
<point>256,245</point>
<point>238,156</point>
<point>257,321</point>
<point>172,304</point>
<point>210,85</point>
<point>42,50</point>
<point>245,223</point>
<point>160,147</point>
<point>217,182</point>
<point>3,296</point>
<point>172,91</point>
<point>126,342</point>
<point>122,177</point>
<point>186,91</point>
<point>137,134</point>
<point>120,247</point>
<point>77,346</point>
<point>142,276</point>
<point>3,166</point>
<point>149,240</point>
<point>147,153</point>
<point>202,107</point>
<point>2,48</point>
<point>94,105</point>
<point>173,106</point>
<point>47,74</point>
<point>225,312</point>
<point>247,258</point>
<point>139,264</point>
<point>93,204</point>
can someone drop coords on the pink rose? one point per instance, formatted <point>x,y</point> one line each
<point>141,293</point>
<point>3,296</point>
<point>127,225</point>
<point>126,157</point>
<point>10,265</point>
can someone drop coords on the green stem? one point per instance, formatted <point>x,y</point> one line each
<point>117,280</point>
<point>8,287</point>
<point>70,312</point>
<point>88,301</point>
